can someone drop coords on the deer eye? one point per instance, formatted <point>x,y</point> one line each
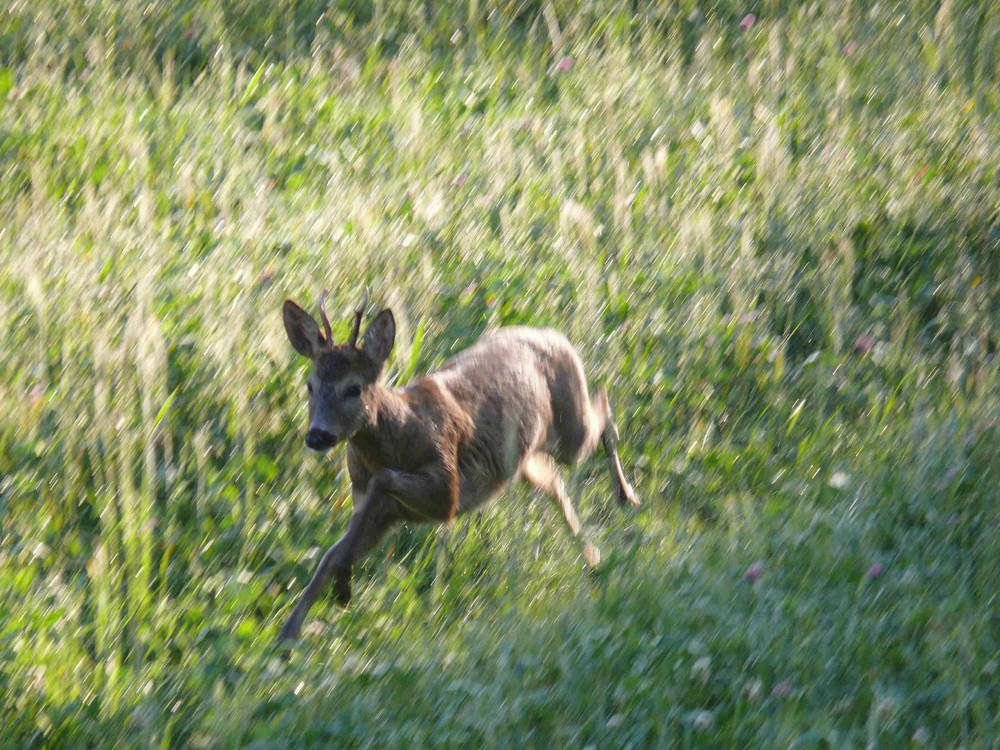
<point>352,391</point>
<point>309,387</point>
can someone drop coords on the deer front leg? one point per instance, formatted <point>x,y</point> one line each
<point>371,519</point>
<point>425,496</point>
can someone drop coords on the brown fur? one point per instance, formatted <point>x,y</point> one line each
<point>511,406</point>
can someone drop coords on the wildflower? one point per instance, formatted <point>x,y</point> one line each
<point>702,720</point>
<point>753,690</point>
<point>460,180</point>
<point>755,571</point>
<point>850,48</point>
<point>352,665</point>
<point>839,480</point>
<point>702,668</point>
<point>781,690</point>
<point>863,344</point>
<point>565,65</point>
<point>875,571</point>
<point>748,20</point>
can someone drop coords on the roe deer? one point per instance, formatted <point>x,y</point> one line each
<point>511,406</point>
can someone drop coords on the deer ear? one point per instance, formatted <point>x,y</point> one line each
<point>302,330</point>
<point>380,336</point>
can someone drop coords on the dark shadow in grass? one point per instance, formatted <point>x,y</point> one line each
<point>182,38</point>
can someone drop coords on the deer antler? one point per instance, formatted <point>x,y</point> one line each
<point>326,320</point>
<point>359,312</point>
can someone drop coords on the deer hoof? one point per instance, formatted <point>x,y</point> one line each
<point>627,496</point>
<point>289,632</point>
<point>342,586</point>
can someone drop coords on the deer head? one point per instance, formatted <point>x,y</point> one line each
<point>343,375</point>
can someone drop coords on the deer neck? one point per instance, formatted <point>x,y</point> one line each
<point>388,415</point>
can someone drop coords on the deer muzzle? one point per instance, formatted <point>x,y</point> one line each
<point>320,440</point>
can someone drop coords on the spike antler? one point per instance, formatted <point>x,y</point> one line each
<point>326,320</point>
<point>359,312</point>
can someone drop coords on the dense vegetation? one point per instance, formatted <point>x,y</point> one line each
<point>772,230</point>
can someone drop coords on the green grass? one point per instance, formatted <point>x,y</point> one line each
<point>776,246</point>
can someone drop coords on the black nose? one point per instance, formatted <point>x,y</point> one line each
<point>320,440</point>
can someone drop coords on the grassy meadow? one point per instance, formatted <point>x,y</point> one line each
<point>771,229</point>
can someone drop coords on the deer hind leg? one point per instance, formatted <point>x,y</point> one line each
<point>539,470</point>
<point>604,421</point>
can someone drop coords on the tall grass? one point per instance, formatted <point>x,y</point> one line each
<point>774,239</point>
